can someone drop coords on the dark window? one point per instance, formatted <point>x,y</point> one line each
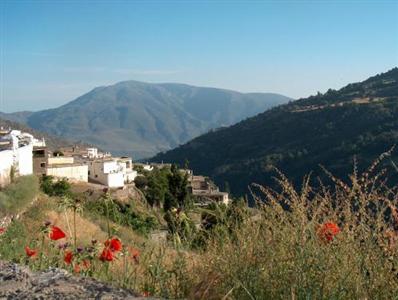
<point>43,165</point>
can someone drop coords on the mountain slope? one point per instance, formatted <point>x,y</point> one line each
<point>142,119</point>
<point>360,119</point>
<point>52,142</point>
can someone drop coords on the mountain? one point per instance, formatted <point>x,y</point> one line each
<point>359,120</point>
<point>141,119</point>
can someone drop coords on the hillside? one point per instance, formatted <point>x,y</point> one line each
<point>141,119</point>
<point>360,120</point>
<point>51,141</point>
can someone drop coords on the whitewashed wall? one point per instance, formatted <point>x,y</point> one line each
<point>99,172</point>
<point>25,160</point>
<point>6,162</point>
<point>115,180</point>
<point>74,172</point>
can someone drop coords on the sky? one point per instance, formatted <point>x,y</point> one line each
<point>51,52</point>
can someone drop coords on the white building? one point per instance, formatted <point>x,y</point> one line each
<point>92,153</point>
<point>107,172</point>
<point>127,168</point>
<point>65,167</point>
<point>112,172</point>
<point>15,154</point>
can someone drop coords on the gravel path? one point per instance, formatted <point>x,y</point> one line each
<point>18,282</point>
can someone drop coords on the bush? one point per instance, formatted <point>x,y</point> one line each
<point>18,195</point>
<point>124,215</point>
<point>58,188</point>
<point>141,182</point>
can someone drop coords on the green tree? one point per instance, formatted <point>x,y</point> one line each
<point>178,188</point>
<point>157,187</point>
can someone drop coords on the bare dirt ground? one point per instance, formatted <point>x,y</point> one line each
<point>18,282</point>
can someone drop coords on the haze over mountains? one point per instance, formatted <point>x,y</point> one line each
<point>142,119</point>
<point>359,120</point>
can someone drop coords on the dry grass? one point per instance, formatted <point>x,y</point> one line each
<point>281,255</point>
<point>278,254</point>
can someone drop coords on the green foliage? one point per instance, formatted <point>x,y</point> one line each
<point>177,195</point>
<point>181,228</point>
<point>18,194</point>
<point>139,169</point>
<point>157,186</point>
<point>141,182</point>
<point>58,188</point>
<point>122,214</point>
<point>165,187</point>
<point>13,242</point>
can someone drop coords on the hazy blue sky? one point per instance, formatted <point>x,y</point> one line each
<point>54,51</point>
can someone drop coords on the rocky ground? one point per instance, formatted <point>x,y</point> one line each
<point>18,282</point>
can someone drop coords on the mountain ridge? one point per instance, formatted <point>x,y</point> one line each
<point>360,119</point>
<point>140,119</point>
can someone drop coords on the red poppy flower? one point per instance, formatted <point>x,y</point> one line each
<point>76,268</point>
<point>56,233</point>
<point>30,252</point>
<point>2,230</point>
<point>146,294</point>
<point>106,255</point>
<point>328,231</point>
<point>114,244</point>
<point>68,257</point>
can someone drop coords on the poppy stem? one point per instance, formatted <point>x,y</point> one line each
<point>107,214</point>
<point>74,227</point>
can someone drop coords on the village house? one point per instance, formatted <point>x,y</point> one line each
<point>59,166</point>
<point>111,172</point>
<point>15,154</point>
<point>83,152</point>
<point>65,167</point>
<point>205,191</point>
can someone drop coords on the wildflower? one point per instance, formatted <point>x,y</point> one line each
<point>106,255</point>
<point>30,252</point>
<point>2,230</point>
<point>114,244</point>
<point>146,294</point>
<point>80,249</point>
<point>328,231</point>
<point>76,268</point>
<point>47,223</point>
<point>93,242</point>
<point>56,233</point>
<point>68,257</point>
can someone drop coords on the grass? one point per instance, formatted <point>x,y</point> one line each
<point>279,252</point>
<point>18,195</point>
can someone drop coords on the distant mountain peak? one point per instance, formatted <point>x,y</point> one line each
<point>141,119</point>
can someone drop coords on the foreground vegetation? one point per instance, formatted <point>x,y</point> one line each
<point>336,242</point>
